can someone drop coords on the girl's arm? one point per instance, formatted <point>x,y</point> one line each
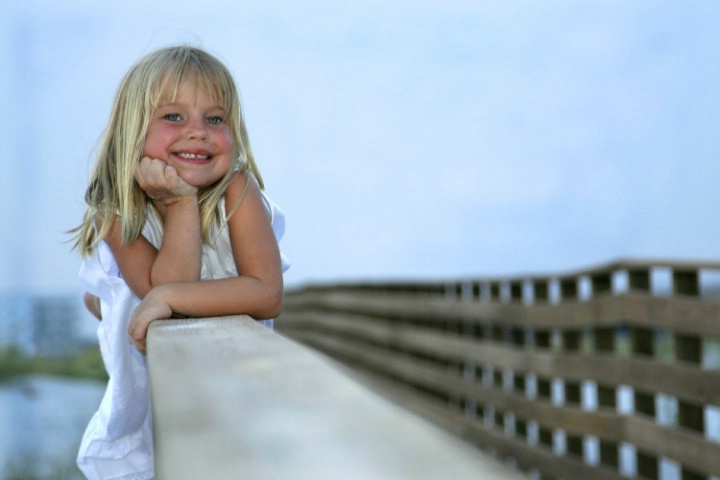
<point>257,290</point>
<point>178,259</point>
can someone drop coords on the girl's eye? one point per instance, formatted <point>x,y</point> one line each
<point>173,117</point>
<point>215,120</point>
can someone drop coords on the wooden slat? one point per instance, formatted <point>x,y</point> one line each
<point>684,381</point>
<point>685,447</point>
<point>698,316</point>
<point>234,400</point>
<point>572,419</point>
<point>528,456</point>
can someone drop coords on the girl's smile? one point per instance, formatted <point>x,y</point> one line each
<point>190,133</point>
<point>194,157</point>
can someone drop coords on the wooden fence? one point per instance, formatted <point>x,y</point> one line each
<point>233,400</point>
<point>605,373</point>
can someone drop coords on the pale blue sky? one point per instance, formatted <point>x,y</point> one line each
<point>433,139</point>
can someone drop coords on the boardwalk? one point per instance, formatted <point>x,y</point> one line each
<point>534,368</point>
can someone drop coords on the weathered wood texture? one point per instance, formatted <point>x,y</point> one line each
<point>234,400</point>
<point>604,373</point>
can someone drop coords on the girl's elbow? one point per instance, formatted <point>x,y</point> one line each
<point>272,301</point>
<point>275,304</point>
<point>266,300</point>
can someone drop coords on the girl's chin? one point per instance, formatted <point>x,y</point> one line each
<point>198,179</point>
<point>200,184</point>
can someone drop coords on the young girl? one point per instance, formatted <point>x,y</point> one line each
<point>177,224</point>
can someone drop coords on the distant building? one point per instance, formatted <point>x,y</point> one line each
<point>16,323</point>
<point>55,322</point>
<point>46,325</point>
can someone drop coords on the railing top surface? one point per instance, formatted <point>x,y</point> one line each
<point>233,399</point>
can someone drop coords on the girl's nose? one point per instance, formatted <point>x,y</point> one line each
<point>196,128</point>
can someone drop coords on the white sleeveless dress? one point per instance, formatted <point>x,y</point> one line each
<point>117,443</point>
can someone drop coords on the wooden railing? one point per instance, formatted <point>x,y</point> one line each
<point>233,400</point>
<point>605,373</point>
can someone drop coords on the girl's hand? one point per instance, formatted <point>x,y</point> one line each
<point>153,307</point>
<point>161,181</point>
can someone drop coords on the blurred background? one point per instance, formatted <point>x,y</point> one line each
<point>402,139</point>
<point>423,139</point>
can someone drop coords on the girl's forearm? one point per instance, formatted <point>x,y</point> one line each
<point>178,259</point>
<point>258,298</point>
<point>212,298</point>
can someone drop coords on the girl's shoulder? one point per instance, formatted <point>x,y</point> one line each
<point>239,184</point>
<point>245,187</point>
<point>244,184</point>
<point>242,187</point>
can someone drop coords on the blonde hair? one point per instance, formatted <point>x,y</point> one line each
<point>113,190</point>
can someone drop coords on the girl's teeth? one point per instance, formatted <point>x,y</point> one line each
<point>192,155</point>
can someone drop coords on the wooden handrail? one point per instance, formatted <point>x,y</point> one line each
<point>603,373</point>
<point>683,279</point>
<point>235,400</point>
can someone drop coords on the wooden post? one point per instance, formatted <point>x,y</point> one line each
<point>476,291</point>
<point>688,348</point>
<point>639,279</point>
<point>609,450</point>
<point>516,291</point>
<point>542,339</point>
<point>541,291</point>
<point>601,283</point>
<point>569,288</point>
<point>605,339</point>
<point>647,466</point>
<point>686,282</point>
<point>689,474</point>
<point>642,342</point>
<point>495,291</point>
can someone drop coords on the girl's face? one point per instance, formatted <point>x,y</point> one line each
<point>190,134</point>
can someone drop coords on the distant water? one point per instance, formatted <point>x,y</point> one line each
<point>42,420</point>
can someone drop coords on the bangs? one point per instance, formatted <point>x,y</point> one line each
<point>203,72</point>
